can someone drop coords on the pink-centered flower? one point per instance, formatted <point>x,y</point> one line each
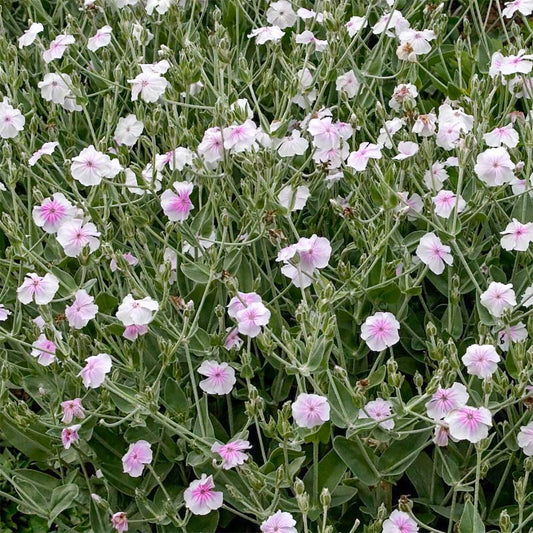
<point>310,410</point>
<point>517,236</point>
<point>281,14</point>
<point>441,435</point>
<point>72,408</point>
<point>133,331</point>
<point>128,256</point>
<point>481,360</point>
<point>200,498</point>
<point>499,297</point>
<point>525,7</point>
<point>380,331</point>
<point>494,167</point>
<point>325,133</point>
<point>150,85</point>
<point>90,166</point>
<point>57,47</point>
<point>11,120</point>
<point>445,203</point>
<point>399,522</point>
<point>252,318</point>
<point>240,137</point>
<point>70,436</point>
<point>516,333</point>
<point>82,310</point>
<point>525,439</point>
<point>178,206</point>
<point>379,410</point>
<point>120,521</point>
<point>469,423</point>
<point>232,452</point>
<point>74,236</point>
<point>53,212</point>
<point>279,522</point>
<point>220,377</point>
<point>211,149</point>
<point>94,372</point>
<point>44,350</point>
<point>42,289</point>
<point>232,339</point>
<point>433,253</point>
<point>504,135</point>
<point>137,312</point>
<point>100,39</point>
<point>445,400</point>
<point>139,454</point>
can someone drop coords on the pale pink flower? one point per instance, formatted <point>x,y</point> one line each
<point>306,14</point>
<point>133,331</point>
<point>425,125</point>
<point>232,339</point>
<point>11,120</point>
<point>359,159</point>
<point>53,212</point>
<point>74,236</point>
<point>4,313</point>
<point>294,200</point>
<point>325,133</point>
<point>266,34</point>
<point>494,167</point>
<point>178,206</point>
<point>72,408</point>
<point>175,159</point>
<point>441,435</point>
<point>410,204</point>
<point>45,149</point>
<point>525,7</point>
<point>505,135</point>
<point>241,301</point>
<point>211,149</point>
<point>42,289</point>
<point>128,130</point>
<point>281,14</point>
<point>332,157</point>
<point>240,137</point>
<point>405,92</point>
<point>95,370</point>
<point>391,23</point>
<point>250,319</point>
<point>525,439</point>
<point>433,253</point>
<point>100,39</point>
<point>348,83</point>
<point>435,177</point>
<point>406,149</point>
<point>220,377</point>
<point>293,145</point>
<point>516,333</point>
<point>29,36</point>
<point>137,312</point>
<point>149,84</point>
<point>445,203</point>
<point>232,452</point>
<point>310,410</point>
<point>308,37</point>
<point>128,256</point>
<point>70,436</point>
<point>57,88</point>
<point>81,311</point>
<point>139,454</point>
<point>446,400</point>
<point>58,47</point>
<point>279,522</point>
<point>520,63</point>
<point>418,40</point>
<point>355,24</point>
<point>498,298</point>
<point>90,166</point>
<point>399,522</point>
<point>469,423</point>
<point>200,498</point>
<point>379,410</point>
<point>481,360</point>
<point>387,132</point>
<point>120,522</point>
<point>44,350</point>
<point>448,135</point>
<point>450,115</point>
<point>380,331</point>
<point>517,236</point>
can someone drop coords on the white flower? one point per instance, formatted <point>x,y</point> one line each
<point>45,149</point>
<point>355,24</point>
<point>505,135</point>
<point>281,14</point>
<point>494,167</point>
<point>11,120</point>
<point>128,130</point>
<point>137,312</point>
<point>348,83</point>
<point>100,39</point>
<point>56,88</point>
<point>498,298</point>
<point>149,84</point>
<point>266,34</point>
<point>42,289</point>
<point>58,47</point>
<point>74,236</point>
<point>29,36</point>
<point>294,200</point>
<point>406,149</point>
<point>293,145</point>
<point>91,166</point>
<point>517,236</point>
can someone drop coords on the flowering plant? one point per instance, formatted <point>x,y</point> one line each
<point>266,266</point>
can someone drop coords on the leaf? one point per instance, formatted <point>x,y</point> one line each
<point>402,453</point>
<point>62,498</point>
<point>174,397</point>
<point>106,303</point>
<point>330,472</point>
<point>343,408</point>
<point>427,483</point>
<point>358,458</point>
<point>471,521</point>
<point>196,272</point>
<point>203,524</point>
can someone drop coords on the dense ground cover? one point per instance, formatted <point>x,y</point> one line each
<point>266,266</point>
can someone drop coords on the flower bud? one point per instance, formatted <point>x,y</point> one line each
<point>325,498</point>
<point>506,526</point>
